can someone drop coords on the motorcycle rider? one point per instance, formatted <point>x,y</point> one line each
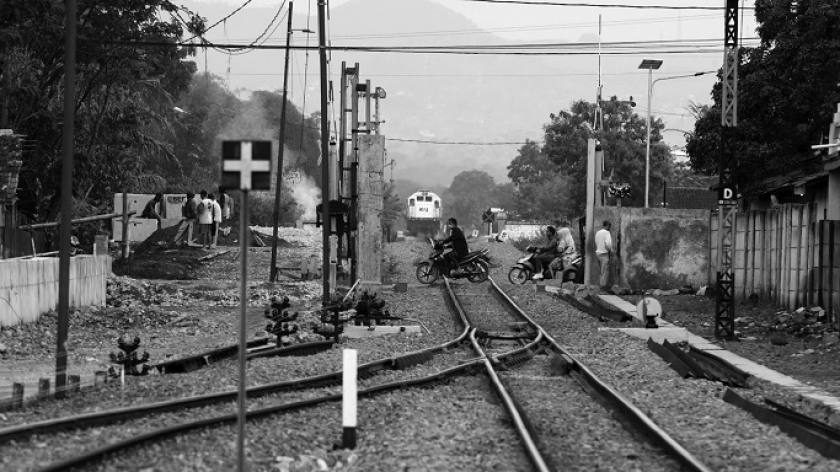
<point>459,244</point>
<point>566,250</point>
<point>547,253</point>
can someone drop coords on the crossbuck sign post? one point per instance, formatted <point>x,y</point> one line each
<point>246,165</point>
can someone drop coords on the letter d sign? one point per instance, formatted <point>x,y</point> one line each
<point>726,196</point>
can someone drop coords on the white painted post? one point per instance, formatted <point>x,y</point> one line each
<point>349,391</point>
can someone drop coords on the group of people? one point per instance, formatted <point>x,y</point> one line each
<point>560,249</point>
<point>207,212</point>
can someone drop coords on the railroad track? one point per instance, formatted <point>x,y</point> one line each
<point>563,416</point>
<point>512,351</point>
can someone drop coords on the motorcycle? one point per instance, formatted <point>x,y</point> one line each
<point>475,265</point>
<point>524,269</point>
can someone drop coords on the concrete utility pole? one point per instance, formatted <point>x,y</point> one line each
<point>66,196</point>
<point>325,151</point>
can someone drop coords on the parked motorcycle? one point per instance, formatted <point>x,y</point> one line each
<point>524,269</point>
<point>475,265</point>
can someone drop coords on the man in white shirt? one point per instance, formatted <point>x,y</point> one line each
<point>205,219</point>
<point>216,214</point>
<point>603,249</point>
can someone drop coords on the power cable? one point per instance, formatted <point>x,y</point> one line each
<point>237,10</point>
<point>596,5</point>
<point>466,143</point>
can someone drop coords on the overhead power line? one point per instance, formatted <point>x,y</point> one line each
<point>598,5</point>
<point>468,143</point>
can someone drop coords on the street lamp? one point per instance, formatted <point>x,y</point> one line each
<point>650,65</point>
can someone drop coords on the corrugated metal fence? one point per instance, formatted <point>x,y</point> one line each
<point>785,255</point>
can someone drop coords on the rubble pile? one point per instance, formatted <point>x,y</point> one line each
<point>802,323</point>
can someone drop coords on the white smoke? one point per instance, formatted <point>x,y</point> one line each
<point>307,195</point>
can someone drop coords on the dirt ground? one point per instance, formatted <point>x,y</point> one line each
<point>158,258</point>
<point>790,343</point>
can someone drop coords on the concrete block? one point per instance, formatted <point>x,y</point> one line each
<point>365,332</point>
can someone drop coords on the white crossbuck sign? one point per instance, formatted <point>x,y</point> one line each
<point>246,165</point>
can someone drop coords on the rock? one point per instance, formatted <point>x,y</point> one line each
<point>617,290</point>
<point>3,348</point>
<point>831,338</point>
<point>701,292</point>
<point>778,340</point>
<point>808,351</point>
<point>706,324</point>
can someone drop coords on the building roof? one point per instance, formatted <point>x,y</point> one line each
<point>688,198</point>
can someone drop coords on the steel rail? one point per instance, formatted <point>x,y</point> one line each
<point>643,422</point>
<point>333,378</point>
<point>514,411</point>
<point>231,418</point>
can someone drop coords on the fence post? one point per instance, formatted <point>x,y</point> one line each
<point>43,388</point>
<point>125,226</point>
<point>17,395</point>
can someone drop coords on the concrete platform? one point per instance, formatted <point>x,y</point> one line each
<point>675,334</point>
<point>356,332</point>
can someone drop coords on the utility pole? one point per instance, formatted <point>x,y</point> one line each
<point>325,151</point>
<point>66,196</point>
<point>279,185</point>
<point>727,193</point>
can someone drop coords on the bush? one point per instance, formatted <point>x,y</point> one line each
<point>262,210</point>
<point>524,242</point>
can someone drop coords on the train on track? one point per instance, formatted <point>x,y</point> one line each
<point>423,213</point>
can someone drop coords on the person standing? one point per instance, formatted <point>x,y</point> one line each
<point>205,219</point>
<point>226,202</point>
<point>188,215</point>
<point>603,250</point>
<point>216,211</point>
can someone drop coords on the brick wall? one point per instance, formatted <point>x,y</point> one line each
<point>370,205</point>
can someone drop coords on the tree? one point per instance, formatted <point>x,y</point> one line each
<point>468,197</point>
<point>393,209</point>
<point>124,94</point>
<point>787,92</point>
<point>551,180</point>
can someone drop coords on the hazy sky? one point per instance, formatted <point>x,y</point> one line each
<point>620,74</point>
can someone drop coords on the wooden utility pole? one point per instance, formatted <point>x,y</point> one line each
<point>279,184</point>
<point>66,196</point>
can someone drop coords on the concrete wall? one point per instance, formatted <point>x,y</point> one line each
<point>29,287</point>
<point>370,206</point>
<point>140,228</point>
<point>656,247</point>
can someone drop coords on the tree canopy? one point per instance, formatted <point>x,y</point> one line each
<point>124,93</point>
<point>551,179</point>
<point>787,93</point>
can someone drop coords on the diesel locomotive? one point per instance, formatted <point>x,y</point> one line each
<point>423,213</point>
